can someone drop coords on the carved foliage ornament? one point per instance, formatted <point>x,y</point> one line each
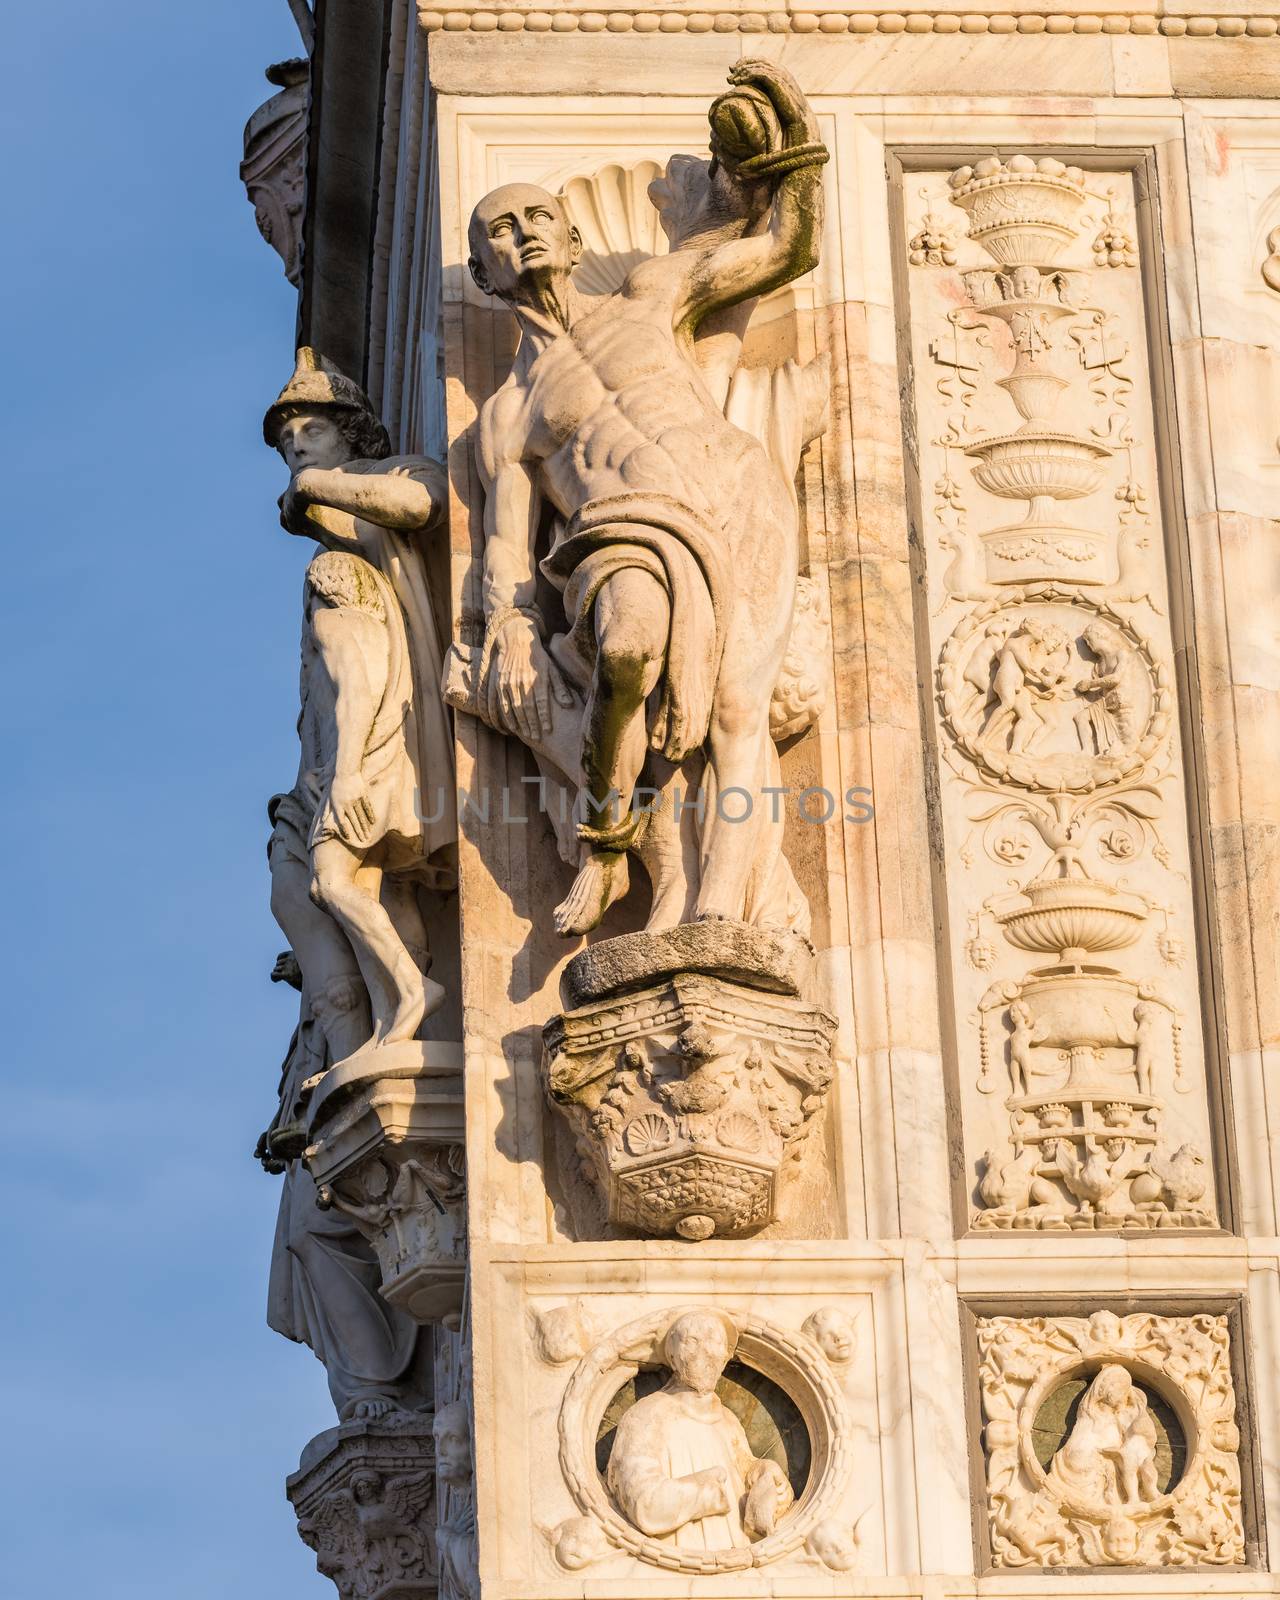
<point>1106,1497</point>
<point>795,1361</point>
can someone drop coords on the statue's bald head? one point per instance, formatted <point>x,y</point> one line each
<point>519,234</point>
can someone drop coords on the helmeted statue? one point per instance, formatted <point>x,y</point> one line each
<point>370,821</point>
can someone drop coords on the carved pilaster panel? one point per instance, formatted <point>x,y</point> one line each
<point>1065,860</point>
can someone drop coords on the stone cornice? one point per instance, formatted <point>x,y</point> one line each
<point>1166,18</point>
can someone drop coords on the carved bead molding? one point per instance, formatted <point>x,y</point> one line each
<point>387,1149</point>
<point>796,1361</point>
<point>1079,1043</point>
<point>365,1501</point>
<point>657,18</point>
<point>1141,1469</point>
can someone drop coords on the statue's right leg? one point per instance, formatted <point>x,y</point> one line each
<point>330,974</point>
<point>632,618</point>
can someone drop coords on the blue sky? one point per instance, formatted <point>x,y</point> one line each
<point>150,663</point>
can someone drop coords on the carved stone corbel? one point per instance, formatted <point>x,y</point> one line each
<point>387,1148</point>
<point>690,1071</point>
<point>274,167</point>
<point>364,1495</point>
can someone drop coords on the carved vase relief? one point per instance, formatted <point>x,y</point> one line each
<point>1068,873</point>
<point>1110,1441</point>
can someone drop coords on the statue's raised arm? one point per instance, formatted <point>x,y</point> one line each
<point>765,135</point>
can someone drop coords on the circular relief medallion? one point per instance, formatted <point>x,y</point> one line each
<point>590,1413</point>
<point>1050,689</point>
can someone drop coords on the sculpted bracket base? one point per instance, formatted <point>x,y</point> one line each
<point>364,1495</point>
<point>690,1098</point>
<point>387,1150</point>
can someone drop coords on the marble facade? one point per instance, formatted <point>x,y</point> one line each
<point>906,1222</point>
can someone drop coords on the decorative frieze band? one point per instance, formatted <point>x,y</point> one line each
<point>480,18</point>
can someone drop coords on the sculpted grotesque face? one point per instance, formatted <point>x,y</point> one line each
<point>697,1349</point>
<point>312,439</point>
<point>452,1429</point>
<point>519,235</point>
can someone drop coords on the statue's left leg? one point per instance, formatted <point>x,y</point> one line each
<point>400,896</point>
<point>390,973</point>
<point>735,802</point>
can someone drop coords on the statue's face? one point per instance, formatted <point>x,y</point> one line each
<point>453,1445</point>
<point>312,439</point>
<point>697,1349</point>
<point>518,234</point>
<point>832,1331</point>
<point>1113,1386</point>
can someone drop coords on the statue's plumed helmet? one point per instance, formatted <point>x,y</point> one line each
<point>318,385</point>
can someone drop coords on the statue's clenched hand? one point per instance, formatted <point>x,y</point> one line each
<point>782,89</point>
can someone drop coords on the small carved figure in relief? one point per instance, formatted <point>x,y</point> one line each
<point>371,1525</point>
<point>681,1470</point>
<point>831,1329</point>
<point>1106,721</point>
<point>1024,1033</point>
<point>1271,265</point>
<point>357,838</point>
<point>577,1542</point>
<point>1147,1016</point>
<point>1110,1455</point>
<point>456,1544</point>
<point>1032,666</point>
<point>834,1545</point>
<point>1013,1186</point>
<point>675,531</point>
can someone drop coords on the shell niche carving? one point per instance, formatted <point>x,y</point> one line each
<point>618,222</point>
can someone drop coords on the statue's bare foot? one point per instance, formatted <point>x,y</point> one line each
<point>436,994</point>
<point>370,1410</point>
<point>603,878</point>
<point>414,991</point>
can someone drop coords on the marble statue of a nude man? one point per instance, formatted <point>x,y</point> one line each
<point>676,542</point>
